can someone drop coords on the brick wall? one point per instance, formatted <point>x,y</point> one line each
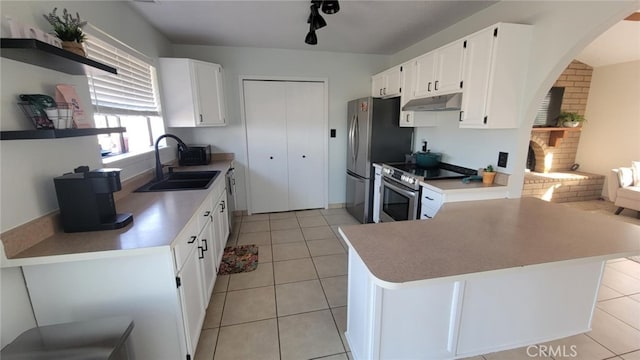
<point>579,186</point>
<point>576,80</point>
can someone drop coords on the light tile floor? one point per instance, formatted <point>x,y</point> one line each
<point>294,305</point>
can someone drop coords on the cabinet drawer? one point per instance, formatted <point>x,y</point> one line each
<point>427,212</point>
<point>431,198</point>
<point>185,242</point>
<point>204,212</point>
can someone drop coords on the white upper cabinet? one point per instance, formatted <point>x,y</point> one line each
<point>440,71</point>
<point>494,76</point>
<point>387,83</point>
<point>192,93</point>
<point>413,118</point>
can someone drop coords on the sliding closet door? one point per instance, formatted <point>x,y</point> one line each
<point>265,114</point>
<point>286,136</point>
<point>305,143</point>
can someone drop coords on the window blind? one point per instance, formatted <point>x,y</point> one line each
<point>131,91</point>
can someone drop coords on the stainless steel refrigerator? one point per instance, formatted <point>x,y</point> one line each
<point>373,136</point>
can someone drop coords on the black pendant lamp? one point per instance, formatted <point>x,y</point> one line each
<point>311,38</point>
<point>316,21</point>
<point>330,7</point>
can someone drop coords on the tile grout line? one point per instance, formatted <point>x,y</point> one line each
<point>275,295</point>
<point>335,323</point>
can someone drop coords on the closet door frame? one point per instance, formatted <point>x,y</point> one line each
<point>325,127</point>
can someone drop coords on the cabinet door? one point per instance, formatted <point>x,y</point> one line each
<point>378,83</point>
<point>476,73</point>
<point>191,298</point>
<point>265,113</point>
<point>448,73</point>
<point>394,82</point>
<point>306,136</point>
<point>407,118</point>
<point>220,226</point>
<point>208,85</point>
<point>425,70</point>
<point>208,256</point>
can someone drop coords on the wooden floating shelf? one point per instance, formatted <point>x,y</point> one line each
<point>556,134</point>
<point>56,133</point>
<point>38,53</point>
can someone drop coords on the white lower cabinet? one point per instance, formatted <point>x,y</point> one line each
<point>165,289</point>
<point>220,218</point>
<point>377,191</point>
<point>462,316</point>
<point>430,202</point>
<point>399,323</point>
<point>189,280</point>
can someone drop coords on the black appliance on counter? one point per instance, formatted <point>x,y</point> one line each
<point>194,155</point>
<point>86,200</point>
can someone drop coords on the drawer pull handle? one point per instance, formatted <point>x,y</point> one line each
<point>207,213</point>
<point>200,253</point>
<point>428,198</point>
<point>192,239</point>
<point>206,247</point>
<point>427,216</point>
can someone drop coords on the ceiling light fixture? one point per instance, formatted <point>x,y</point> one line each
<point>316,21</point>
<point>330,7</point>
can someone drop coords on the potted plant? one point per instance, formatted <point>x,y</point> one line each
<point>570,119</point>
<point>488,175</point>
<point>69,30</point>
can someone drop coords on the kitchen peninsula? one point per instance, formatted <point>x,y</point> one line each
<point>477,278</point>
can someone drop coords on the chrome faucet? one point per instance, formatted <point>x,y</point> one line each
<point>181,145</point>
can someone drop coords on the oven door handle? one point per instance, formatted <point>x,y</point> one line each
<point>407,192</point>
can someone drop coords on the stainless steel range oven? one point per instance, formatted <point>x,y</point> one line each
<point>400,187</point>
<point>399,196</point>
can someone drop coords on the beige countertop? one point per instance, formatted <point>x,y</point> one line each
<point>158,218</point>
<point>457,184</point>
<point>477,236</point>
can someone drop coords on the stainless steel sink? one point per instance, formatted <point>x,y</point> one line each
<point>181,180</point>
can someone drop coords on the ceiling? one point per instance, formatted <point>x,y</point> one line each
<point>621,43</point>
<point>367,27</point>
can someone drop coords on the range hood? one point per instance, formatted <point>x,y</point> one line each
<point>435,103</point>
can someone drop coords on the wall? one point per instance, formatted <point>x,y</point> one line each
<point>349,77</point>
<point>611,137</point>
<point>28,167</point>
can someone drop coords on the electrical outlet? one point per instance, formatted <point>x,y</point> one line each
<point>502,159</point>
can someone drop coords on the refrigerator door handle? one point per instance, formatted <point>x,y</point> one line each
<point>351,138</point>
<point>357,138</point>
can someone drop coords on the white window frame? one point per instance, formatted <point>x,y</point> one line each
<point>120,159</point>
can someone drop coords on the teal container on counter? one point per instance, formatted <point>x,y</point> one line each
<point>428,159</point>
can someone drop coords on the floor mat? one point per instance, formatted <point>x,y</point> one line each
<point>237,259</point>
